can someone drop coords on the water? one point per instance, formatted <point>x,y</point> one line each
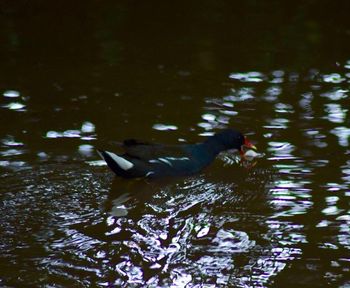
<point>103,75</point>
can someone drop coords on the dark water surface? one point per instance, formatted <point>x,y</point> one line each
<point>80,75</point>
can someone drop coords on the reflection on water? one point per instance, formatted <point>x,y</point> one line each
<point>15,106</point>
<point>163,127</point>
<point>343,134</point>
<point>86,132</point>
<point>11,94</point>
<point>248,77</point>
<point>65,220</point>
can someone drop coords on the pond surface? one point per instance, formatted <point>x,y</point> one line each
<point>83,76</point>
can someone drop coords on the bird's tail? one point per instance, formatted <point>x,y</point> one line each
<point>118,164</point>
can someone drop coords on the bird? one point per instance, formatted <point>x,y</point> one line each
<point>154,160</point>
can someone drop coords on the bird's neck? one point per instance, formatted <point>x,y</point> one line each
<point>213,146</point>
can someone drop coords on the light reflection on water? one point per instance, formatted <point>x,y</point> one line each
<point>86,132</point>
<point>15,106</point>
<point>214,228</point>
<point>11,94</point>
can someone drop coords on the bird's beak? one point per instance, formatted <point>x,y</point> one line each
<point>247,144</point>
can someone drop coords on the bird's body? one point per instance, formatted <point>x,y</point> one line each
<point>142,159</point>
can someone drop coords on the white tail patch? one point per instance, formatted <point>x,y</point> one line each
<point>122,163</point>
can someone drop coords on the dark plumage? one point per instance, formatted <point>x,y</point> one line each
<point>142,159</point>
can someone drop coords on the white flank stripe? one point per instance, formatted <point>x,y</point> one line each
<point>166,161</point>
<point>178,159</point>
<point>122,163</point>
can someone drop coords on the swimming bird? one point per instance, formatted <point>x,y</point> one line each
<point>151,160</point>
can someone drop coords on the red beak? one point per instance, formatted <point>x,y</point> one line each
<point>247,144</point>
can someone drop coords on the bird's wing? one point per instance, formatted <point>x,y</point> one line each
<point>147,151</point>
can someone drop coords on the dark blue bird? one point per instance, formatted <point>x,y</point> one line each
<point>142,159</point>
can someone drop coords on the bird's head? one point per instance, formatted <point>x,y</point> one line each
<point>246,144</point>
<point>233,139</point>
